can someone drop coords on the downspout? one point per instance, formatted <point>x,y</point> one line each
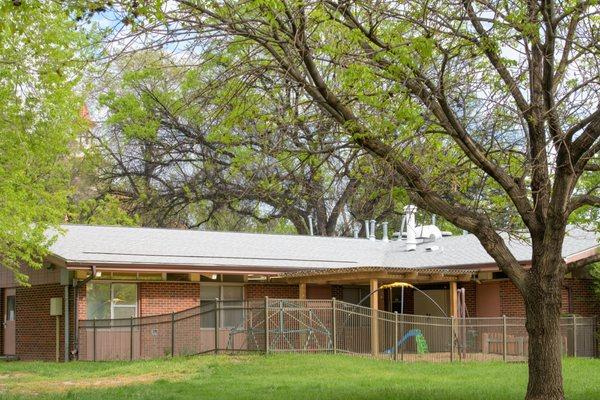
<point>66,323</point>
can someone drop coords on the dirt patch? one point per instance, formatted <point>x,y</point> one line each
<point>32,388</point>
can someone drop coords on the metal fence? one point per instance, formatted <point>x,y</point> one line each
<point>286,325</point>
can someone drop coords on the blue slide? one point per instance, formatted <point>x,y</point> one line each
<point>416,333</point>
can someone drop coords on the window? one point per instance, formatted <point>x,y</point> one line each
<point>111,300</point>
<point>232,299</point>
<point>10,308</point>
<point>354,294</point>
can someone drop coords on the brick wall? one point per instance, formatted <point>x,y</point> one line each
<point>323,292</point>
<point>470,297</point>
<point>260,290</point>
<point>35,327</point>
<point>337,291</point>
<point>164,297</point>
<point>583,300</point>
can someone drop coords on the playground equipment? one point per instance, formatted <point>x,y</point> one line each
<point>419,339</point>
<point>290,325</point>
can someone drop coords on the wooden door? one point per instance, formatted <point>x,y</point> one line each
<point>9,322</point>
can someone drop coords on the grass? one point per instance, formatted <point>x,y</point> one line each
<point>282,376</point>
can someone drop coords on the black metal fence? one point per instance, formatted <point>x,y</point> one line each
<point>290,325</point>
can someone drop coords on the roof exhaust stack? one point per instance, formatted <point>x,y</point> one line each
<point>411,234</point>
<point>433,219</point>
<point>367,228</point>
<point>310,225</point>
<point>356,231</point>
<point>385,232</point>
<point>372,230</point>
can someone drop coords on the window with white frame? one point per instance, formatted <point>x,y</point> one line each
<point>231,302</point>
<point>111,300</point>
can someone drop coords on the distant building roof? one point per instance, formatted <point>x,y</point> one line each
<point>86,245</point>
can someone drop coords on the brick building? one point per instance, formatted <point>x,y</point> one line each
<point>102,273</point>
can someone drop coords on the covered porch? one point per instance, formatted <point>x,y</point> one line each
<point>424,291</point>
<point>374,283</point>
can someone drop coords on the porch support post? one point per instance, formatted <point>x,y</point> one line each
<point>453,300</point>
<point>302,291</point>
<point>303,319</point>
<point>374,285</point>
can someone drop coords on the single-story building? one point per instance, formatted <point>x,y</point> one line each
<point>102,272</point>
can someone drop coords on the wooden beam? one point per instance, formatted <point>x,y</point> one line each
<point>337,277</point>
<point>485,275</point>
<point>374,285</point>
<point>411,275</point>
<point>453,299</point>
<point>366,276</point>
<point>302,291</point>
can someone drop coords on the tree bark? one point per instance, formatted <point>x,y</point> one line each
<point>543,307</point>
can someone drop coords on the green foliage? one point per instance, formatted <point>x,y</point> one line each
<point>39,116</point>
<point>594,270</point>
<point>107,210</point>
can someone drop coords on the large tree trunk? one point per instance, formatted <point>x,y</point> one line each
<point>543,307</point>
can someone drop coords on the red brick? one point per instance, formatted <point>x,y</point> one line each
<point>35,327</point>
<point>156,298</point>
<point>260,290</point>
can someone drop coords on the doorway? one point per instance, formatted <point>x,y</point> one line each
<point>8,322</point>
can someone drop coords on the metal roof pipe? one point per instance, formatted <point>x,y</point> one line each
<point>356,231</point>
<point>385,231</point>
<point>433,219</point>
<point>310,225</point>
<point>372,230</point>
<point>367,228</point>
<point>411,232</point>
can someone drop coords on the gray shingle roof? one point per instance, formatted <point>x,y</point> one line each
<point>106,245</point>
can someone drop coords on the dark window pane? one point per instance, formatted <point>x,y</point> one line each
<point>10,308</point>
<point>98,300</point>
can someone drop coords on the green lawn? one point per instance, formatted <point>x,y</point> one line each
<point>282,376</point>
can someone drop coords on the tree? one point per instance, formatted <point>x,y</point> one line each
<point>174,158</point>
<point>486,111</point>
<point>39,116</point>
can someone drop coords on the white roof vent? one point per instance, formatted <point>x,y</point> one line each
<point>431,232</point>
<point>432,248</point>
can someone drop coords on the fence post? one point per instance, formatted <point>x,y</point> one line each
<point>266,325</point>
<point>333,323</point>
<point>131,338</point>
<point>574,335</point>
<point>217,311</point>
<point>173,334</point>
<point>595,334</point>
<point>94,339</point>
<point>395,335</point>
<point>504,338</point>
<point>452,338</point>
